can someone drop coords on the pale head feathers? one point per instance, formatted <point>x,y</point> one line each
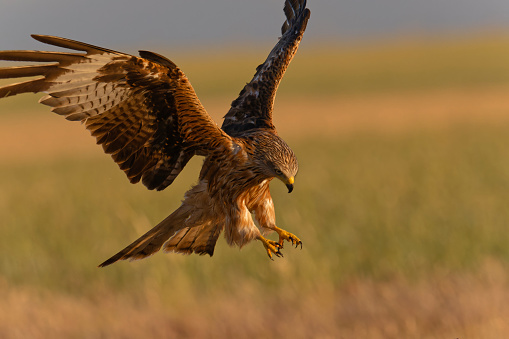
<point>274,157</point>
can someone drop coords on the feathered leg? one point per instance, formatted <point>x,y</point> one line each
<point>263,209</point>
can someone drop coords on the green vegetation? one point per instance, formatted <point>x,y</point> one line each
<point>370,206</point>
<point>387,214</point>
<point>399,66</point>
<point>317,70</point>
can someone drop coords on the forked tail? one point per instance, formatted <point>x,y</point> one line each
<point>149,243</point>
<point>179,235</point>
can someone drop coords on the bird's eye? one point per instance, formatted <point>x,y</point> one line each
<point>278,172</point>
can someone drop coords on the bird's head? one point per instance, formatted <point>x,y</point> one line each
<point>278,160</point>
<point>286,172</point>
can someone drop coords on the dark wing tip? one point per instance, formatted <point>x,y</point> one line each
<point>295,10</point>
<point>158,58</point>
<point>253,107</point>
<point>40,37</point>
<point>71,44</point>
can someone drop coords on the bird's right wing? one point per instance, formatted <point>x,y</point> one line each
<point>143,111</point>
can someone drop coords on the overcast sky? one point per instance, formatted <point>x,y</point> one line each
<point>144,24</point>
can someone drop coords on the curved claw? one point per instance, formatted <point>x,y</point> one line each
<point>296,242</point>
<point>271,247</point>
<point>284,235</point>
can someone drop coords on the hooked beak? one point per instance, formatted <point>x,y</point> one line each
<point>290,188</point>
<point>289,184</point>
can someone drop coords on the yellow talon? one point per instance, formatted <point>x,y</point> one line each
<point>271,247</point>
<point>284,235</point>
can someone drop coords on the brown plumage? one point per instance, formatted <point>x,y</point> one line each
<point>146,115</point>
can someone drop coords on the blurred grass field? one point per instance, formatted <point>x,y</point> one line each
<point>401,202</point>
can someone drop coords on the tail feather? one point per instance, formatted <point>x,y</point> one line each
<point>150,242</point>
<point>199,239</point>
<point>178,233</point>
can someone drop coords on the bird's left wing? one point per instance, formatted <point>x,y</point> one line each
<point>143,111</point>
<point>253,108</point>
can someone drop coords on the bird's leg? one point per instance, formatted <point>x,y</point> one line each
<point>284,235</point>
<point>271,247</point>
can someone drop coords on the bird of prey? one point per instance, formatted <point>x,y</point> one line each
<point>146,115</point>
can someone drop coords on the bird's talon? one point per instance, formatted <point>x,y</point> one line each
<point>271,247</point>
<point>284,235</point>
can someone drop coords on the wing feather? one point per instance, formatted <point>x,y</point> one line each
<point>27,71</point>
<point>253,107</point>
<point>143,111</point>
<point>38,56</point>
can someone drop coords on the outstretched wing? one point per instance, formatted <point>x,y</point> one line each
<point>253,107</point>
<point>143,111</point>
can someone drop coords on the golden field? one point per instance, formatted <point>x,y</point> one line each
<point>401,202</point>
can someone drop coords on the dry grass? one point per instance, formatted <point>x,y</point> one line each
<point>401,203</point>
<point>442,302</point>
<point>442,306</point>
<point>48,136</point>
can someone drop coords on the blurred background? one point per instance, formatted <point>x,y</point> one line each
<point>399,114</point>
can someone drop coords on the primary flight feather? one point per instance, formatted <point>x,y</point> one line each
<point>145,114</point>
